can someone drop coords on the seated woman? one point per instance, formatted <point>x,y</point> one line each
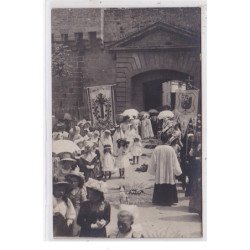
<point>77,195</point>
<point>89,161</point>
<point>94,214</point>
<point>64,212</point>
<point>63,167</point>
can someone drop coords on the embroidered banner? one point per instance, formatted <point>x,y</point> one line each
<point>101,106</point>
<point>186,107</point>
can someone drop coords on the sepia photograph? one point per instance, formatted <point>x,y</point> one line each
<point>127,123</point>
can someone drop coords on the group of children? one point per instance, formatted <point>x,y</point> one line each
<point>79,207</point>
<point>103,153</point>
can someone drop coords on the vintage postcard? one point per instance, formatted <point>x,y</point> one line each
<point>126,122</point>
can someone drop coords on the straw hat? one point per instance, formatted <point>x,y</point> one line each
<point>77,174</point>
<point>96,185</point>
<point>67,157</point>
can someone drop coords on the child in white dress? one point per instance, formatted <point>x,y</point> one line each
<point>136,150</point>
<point>117,135</point>
<point>108,162</point>
<point>122,160</point>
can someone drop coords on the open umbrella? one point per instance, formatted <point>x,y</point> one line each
<point>165,114</point>
<point>62,146</point>
<point>143,113</point>
<point>130,112</point>
<point>153,111</point>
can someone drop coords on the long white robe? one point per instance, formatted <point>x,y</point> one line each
<point>108,162</point>
<point>164,165</point>
<point>130,135</point>
<point>136,123</point>
<point>146,129</point>
<point>105,141</point>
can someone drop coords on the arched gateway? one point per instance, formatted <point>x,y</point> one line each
<point>150,57</point>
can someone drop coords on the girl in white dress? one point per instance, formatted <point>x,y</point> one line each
<point>146,130</point>
<point>136,150</point>
<point>108,162</point>
<point>122,161</point>
<point>105,139</point>
<point>117,135</point>
<point>130,135</point>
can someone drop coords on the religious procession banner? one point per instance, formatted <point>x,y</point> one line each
<point>101,106</point>
<point>186,107</point>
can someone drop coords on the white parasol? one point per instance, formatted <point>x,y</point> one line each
<point>62,146</point>
<point>165,114</point>
<point>143,113</point>
<point>130,112</point>
<point>153,111</point>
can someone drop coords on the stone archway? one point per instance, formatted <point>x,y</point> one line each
<point>131,64</point>
<point>147,89</point>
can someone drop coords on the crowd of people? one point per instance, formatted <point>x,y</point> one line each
<point>82,171</point>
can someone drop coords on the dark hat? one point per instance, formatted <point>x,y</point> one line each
<point>62,184</point>
<point>79,175</point>
<point>122,142</point>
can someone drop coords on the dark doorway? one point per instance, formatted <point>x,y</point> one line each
<point>146,90</point>
<point>152,94</point>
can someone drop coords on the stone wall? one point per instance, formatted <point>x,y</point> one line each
<point>93,64</point>
<point>71,21</point>
<point>119,23</point>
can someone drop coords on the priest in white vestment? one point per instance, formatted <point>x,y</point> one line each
<point>165,166</point>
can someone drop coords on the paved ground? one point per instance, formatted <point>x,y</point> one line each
<point>155,221</point>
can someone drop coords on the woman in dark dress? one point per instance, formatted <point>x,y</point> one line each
<point>94,214</point>
<point>195,204</point>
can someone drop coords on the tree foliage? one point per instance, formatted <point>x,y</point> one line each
<point>60,61</point>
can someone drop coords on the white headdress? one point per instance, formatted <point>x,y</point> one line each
<point>97,185</point>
